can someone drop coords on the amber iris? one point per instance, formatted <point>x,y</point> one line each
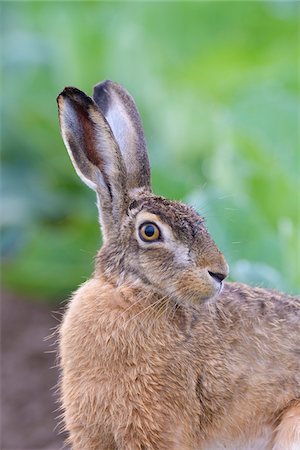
<point>149,232</point>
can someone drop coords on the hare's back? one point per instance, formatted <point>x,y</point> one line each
<point>263,324</point>
<point>242,303</point>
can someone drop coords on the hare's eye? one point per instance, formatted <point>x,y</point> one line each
<point>149,232</point>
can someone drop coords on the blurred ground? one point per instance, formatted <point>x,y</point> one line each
<point>28,400</point>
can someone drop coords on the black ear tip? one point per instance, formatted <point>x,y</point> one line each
<point>70,91</point>
<point>75,95</point>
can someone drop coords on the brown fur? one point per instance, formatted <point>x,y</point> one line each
<point>153,354</point>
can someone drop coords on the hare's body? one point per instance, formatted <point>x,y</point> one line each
<point>137,377</point>
<point>154,355</point>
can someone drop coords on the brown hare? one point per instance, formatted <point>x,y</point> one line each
<point>156,351</point>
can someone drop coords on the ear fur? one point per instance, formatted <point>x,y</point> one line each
<point>123,117</point>
<point>94,153</point>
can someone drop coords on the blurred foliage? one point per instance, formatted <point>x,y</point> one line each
<point>217,86</point>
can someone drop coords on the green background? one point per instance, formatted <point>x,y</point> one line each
<point>217,85</point>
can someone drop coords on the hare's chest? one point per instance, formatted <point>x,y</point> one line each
<point>122,364</point>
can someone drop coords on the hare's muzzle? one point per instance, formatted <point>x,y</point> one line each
<point>215,265</point>
<point>218,271</point>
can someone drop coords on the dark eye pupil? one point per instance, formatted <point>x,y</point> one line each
<point>149,230</point>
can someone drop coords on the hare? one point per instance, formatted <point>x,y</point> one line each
<point>156,350</point>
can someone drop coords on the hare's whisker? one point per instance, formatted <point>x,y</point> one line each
<point>139,313</point>
<point>129,307</point>
<point>153,311</point>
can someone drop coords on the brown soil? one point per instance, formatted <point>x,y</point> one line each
<point>28,378</point>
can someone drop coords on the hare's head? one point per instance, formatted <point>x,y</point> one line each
<point>158,243</point>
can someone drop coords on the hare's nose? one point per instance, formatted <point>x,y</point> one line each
<point>219,277</point>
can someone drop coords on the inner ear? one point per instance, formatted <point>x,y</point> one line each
<point>123,117</point>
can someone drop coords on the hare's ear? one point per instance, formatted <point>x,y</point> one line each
<point>94,153</point>
<point>122,115</point>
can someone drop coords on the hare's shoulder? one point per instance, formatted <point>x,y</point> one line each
<point>92,307</point>
<point>95,296</point>
<point>89,322</point>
